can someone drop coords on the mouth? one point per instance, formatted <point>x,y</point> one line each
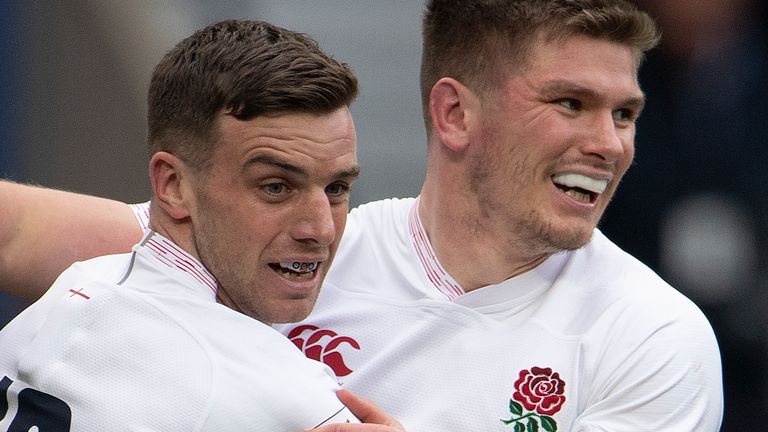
<point>296,270</point>
<point>580,187</point>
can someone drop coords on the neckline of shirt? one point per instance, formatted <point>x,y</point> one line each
<point>528,284</point>
<point>171,255</point>
<point>435,272</point>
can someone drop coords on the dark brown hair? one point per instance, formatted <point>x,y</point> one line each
<point>479,42</point>
<point>240,68</point>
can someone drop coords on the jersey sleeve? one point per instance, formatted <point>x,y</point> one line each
<point>664,376</point>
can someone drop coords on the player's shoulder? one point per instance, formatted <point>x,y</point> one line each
<point>88,314</point>
<point>610,267</point>
<point>617,283</point>
<point>90,291</point>
<point>106,268</point>
<point>381,213</point>
<point>91,296</point>
<point>110,349</point>
<point>640,328</point>
<point>376,247</point>
<point>370,223</point>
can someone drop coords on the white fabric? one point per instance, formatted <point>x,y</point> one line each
<point>137,342</point>
<point>633,353</point>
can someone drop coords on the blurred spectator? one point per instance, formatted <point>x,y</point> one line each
<point>695,205</point>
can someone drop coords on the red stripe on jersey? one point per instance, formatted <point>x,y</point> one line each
<point>171,255</point>
<point>435,272</point>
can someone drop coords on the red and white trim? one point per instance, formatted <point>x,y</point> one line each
<point>440,278</point>
<point>141,212</point>
<point>173,256</point>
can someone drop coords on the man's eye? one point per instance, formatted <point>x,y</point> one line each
<point>274,188</point>
<point>571,104</point>
<point>337,189</point>
<point>624,115</point>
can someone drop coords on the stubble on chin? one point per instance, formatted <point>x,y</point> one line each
<point>543,237</point>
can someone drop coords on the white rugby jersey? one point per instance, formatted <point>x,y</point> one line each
<point>137,342</point>
<point>590,340</point>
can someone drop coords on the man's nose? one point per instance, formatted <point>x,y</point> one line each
<point>315,221</point>
<point>606,140</point>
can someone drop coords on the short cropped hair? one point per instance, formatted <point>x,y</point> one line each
<point>244,69</point>
<point>480,42</point>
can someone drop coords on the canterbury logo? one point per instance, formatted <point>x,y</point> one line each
<point>323,345</point>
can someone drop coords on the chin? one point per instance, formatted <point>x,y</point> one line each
<point>293,314</point>
<point>577,239</point>
<point>556,240</point>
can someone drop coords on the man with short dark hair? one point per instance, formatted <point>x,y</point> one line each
<point>253,155</point>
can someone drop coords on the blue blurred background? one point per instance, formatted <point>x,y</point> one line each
<point>74,74</point>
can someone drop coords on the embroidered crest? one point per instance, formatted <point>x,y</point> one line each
<point>539,394</point>
<point>322,345</point>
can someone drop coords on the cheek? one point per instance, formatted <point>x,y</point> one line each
<point>340,221</point>
<point>628,156</point>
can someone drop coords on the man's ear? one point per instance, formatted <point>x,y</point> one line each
<point>453,107</point>
<point>171,180</point>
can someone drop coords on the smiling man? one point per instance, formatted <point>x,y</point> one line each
<point>492,302</point>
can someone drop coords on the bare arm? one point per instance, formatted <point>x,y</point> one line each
<point>43,231</point>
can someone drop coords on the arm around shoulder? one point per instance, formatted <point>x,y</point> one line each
<point>43,231</point>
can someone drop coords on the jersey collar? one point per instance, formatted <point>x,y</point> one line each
<point>437,275</point>
<point>171,255</point>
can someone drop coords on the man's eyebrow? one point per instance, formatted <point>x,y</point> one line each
<point>275,162</point>
<point>565,87</point>
<point>352,172</point>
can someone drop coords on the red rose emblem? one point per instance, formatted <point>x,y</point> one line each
<point>540,390</point>
<point>322,345</point>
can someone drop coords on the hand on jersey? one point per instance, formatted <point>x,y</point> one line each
<point>374,418</point>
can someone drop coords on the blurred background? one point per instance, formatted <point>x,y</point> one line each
<point>694,207</point>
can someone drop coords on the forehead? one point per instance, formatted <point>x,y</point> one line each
<point>590,62</point>
<point>322,137</point>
